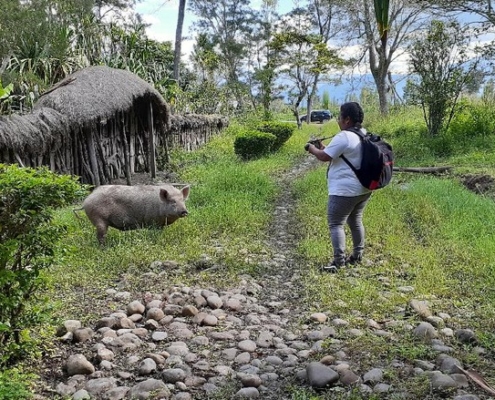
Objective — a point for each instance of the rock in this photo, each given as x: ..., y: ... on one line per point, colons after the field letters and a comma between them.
x: 319, y: 375
x: 465, y: 335
x: 81, y: 395
x: 449, y: 365
x: 83, y: 335
x: 249, y: 380
x: 143, y: 390
x: 375, y: 375
x: 155, y: 313
x: 318, y: 317
x: 421, y: 308
x: 77, y: 364
x: 68, y: 326
x: 173, y: 375
x: 135, y: 307
x: 146, y: 367
x: 425, y: 331
x: 247, y: 345
x: 441, y: 382
x: 96, y: 387
x: 349, y: 378
x: 247, y: 393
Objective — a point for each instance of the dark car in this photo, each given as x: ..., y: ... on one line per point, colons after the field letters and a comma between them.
x: 318, y: 116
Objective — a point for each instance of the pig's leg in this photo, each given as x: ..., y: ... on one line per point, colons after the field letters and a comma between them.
x: 101, y: 232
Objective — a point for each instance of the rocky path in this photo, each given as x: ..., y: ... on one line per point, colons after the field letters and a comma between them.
x: 256, y: 340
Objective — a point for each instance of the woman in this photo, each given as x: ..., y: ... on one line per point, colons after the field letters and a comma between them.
x: 347, y: 197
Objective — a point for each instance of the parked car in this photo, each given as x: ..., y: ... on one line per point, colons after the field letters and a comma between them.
x: 318, y: 116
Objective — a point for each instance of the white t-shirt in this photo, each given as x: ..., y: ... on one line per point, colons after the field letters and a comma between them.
x: 342, y: 180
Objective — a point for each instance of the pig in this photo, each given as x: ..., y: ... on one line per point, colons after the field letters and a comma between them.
x: 134, y: 207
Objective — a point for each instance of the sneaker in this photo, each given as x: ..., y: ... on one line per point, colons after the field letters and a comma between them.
x: 353, y: 260
x: 333, y: 267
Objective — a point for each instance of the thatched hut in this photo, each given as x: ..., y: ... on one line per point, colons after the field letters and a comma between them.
x: 98, y: 123
x: 101, y: 124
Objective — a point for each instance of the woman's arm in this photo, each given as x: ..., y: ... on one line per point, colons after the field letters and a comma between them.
x: 318, y: 153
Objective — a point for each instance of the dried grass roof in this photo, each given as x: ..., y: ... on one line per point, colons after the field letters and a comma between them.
x: 197, y: 121
x: 33, y: 133
x: 99, y: 92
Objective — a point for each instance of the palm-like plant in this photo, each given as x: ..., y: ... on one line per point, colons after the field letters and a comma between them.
x: 382, y: 19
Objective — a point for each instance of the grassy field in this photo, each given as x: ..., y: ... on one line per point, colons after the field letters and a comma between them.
x: 426, y: 232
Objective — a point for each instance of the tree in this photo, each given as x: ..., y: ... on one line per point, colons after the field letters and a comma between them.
x: 482, y: 8
x: 443, y: 68
x: 323, y: 14
x: 178, y: 40
x: 384, y: 41
x: 304, y: 57
x: 262, y: 59
x: 229, y: 25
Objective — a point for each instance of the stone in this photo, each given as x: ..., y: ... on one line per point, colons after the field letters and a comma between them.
x: 77, y: 364
x: 319, y: 375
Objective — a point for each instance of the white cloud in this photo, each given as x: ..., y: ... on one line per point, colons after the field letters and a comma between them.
x: 162, y: 16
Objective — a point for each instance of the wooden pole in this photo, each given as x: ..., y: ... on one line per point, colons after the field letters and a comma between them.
x: 127, y: 162
x: 92, y: 156
x: 152, y: 143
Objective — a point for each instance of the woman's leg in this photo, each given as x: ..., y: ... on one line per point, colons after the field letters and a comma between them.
x: 338, y: 210
x: 355, y: 222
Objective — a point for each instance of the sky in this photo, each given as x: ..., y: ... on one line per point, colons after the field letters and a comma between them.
x: 162, y: 17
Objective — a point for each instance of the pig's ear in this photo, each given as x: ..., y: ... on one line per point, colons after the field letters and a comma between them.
x: 164, y: 194
x: 185, y: 192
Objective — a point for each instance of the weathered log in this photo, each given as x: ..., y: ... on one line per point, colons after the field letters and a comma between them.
x: 423, y: 170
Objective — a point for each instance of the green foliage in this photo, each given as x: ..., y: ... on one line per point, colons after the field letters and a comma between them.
x: 443, y: 68
x: 252, y: 144
x: 27, y: 241
x: 472, y: 120
x: 281, y: 130
x: 13, y: 385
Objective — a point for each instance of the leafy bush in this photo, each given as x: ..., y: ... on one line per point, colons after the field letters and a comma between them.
x: 472, y: 120
x: 13, y: 385
x: 282, y: 131
x: 27, y: 240
x: 252, y: 144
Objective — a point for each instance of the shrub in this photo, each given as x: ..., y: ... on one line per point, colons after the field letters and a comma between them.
x: 281, y: 130
x: 13, y: 385
x: 472, y: 120
x: 252, y: 143
x: 27, y: 241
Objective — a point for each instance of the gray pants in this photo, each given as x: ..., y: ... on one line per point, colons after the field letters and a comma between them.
x: 348, y: 210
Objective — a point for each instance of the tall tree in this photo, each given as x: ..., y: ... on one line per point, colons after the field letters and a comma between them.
x: 442, y: 67
x: 385, y: 28
x: 302, y: 56
x: 324, y: 15
x: 229, y: 24
x: 178, y: 39
x: 261, y: 61
x: 483, y: 8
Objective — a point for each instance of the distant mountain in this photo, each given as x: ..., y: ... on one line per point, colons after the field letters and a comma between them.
x: 352, y: 88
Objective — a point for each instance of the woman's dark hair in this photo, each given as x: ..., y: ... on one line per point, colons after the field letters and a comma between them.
x: 354, y: 111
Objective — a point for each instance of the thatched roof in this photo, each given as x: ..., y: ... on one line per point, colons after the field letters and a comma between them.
x: 33, y: 133
x: 93, y: 94
x: 196, y: 121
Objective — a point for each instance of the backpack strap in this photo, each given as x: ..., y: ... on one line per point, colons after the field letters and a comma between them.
x: 361, y: 135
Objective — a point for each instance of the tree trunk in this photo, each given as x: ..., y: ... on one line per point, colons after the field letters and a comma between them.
x: 178, y: 39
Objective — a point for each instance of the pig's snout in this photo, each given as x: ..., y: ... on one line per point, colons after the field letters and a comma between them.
x: 183, y: 214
